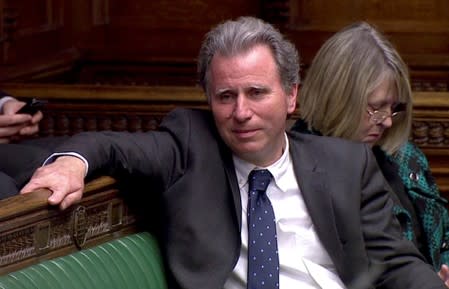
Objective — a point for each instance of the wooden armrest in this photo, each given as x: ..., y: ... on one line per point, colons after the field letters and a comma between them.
x: 32, y: 231
x: 30, y: 202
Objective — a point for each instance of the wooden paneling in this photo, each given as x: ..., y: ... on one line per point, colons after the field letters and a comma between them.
x: 112, y: 37
x: 156, y: 42
x: 165, y: 29
x: 32, y: 29
x: 418, y: 28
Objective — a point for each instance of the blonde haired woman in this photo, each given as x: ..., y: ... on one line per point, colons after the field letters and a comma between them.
x: 357, y: 88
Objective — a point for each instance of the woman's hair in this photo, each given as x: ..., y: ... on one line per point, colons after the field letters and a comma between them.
x: 343, y: 74
x: 234, y: 37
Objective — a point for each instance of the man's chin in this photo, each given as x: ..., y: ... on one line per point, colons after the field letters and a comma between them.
x: 246, y: 154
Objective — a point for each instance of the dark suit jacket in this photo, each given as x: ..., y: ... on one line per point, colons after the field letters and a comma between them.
x: 344, y: 191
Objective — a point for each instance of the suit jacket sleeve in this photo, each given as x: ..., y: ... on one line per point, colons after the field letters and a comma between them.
x: 200, y: 238
x: 161, y: 155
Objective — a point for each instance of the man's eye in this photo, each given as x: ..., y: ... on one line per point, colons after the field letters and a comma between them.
x: 225, y: 97
x: 257, y: 92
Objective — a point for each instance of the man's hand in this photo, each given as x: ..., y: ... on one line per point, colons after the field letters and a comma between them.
x: 13, y: 125
x: 64, y: 177
x: 444, y: 274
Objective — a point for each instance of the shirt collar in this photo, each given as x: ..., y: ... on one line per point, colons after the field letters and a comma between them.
x: 277, y: 169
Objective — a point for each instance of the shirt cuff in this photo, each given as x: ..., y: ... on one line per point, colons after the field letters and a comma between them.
x: 54, y: 156
x: 3, y: 100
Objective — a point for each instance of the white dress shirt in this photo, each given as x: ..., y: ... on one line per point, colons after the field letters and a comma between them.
x: 304, y: 263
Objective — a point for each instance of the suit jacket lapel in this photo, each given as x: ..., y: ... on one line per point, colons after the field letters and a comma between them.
x: 233, y: 183
x: 315, y: 189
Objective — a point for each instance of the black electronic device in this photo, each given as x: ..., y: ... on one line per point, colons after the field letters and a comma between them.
x: 32, y: 106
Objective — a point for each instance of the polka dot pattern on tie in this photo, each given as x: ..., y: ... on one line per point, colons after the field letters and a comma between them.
x: 263, y: 259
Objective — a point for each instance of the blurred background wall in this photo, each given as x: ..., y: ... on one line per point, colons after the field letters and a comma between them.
x: 141, y: 42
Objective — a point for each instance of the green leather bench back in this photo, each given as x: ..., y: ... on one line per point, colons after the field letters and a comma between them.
x: 130, y: 262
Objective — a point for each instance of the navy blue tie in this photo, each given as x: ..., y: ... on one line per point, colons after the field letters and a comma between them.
x: 263, y: 260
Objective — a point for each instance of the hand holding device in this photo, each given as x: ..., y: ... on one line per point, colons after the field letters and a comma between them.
x: 32, y: 106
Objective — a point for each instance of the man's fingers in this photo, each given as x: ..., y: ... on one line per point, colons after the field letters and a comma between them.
x: 64, y: 177
x: 37, y: 117
x: 10, y: 125
x: 11, y: 106
x: 15, y: 119
x: 9, y: 131
x: 32, y: 185
x: 70, y: 199
x: 29, y: 130
x: 56, y: 197
x: 28, y: 188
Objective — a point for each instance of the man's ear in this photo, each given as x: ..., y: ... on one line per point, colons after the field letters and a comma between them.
x: 292, y: 98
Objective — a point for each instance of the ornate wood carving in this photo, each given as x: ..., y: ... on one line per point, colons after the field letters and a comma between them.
x: 69, y: 123
x: 430, y: 85
x: 429, y: 133
x: 36, y: 229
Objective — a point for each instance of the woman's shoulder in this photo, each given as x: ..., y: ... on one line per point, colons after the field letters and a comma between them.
x: 414, y: 168
x: 410, y: 152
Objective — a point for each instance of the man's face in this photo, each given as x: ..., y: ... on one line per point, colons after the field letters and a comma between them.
x: 250, y: 105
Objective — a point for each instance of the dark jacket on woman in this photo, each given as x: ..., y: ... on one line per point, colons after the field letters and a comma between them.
x: 419, y: 207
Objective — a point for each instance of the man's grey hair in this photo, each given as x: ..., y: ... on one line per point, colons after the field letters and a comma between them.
x: 234, y: 37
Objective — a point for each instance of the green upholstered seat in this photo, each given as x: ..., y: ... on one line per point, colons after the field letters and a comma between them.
x: 130, y: 262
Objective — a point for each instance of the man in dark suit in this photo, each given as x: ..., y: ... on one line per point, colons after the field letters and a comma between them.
x: 332, y: 215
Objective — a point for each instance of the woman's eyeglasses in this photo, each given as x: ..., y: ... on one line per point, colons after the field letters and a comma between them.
x: 379, y: 116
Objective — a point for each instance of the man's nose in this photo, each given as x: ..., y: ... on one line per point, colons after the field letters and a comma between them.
x: 242, y: 109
